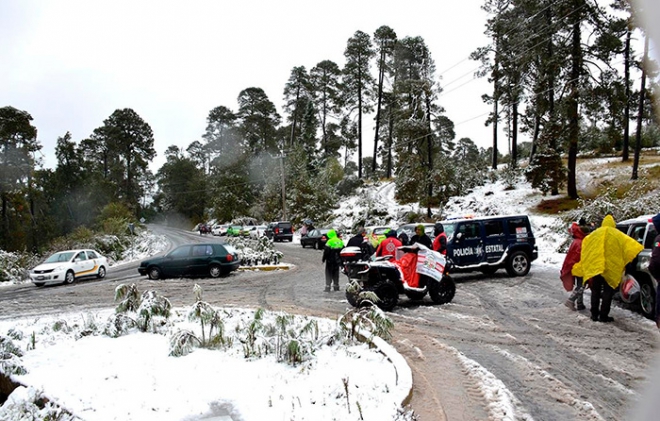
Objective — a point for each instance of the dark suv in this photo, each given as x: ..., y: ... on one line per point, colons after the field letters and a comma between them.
x: 642, y: 230
x: 489, y: 243
x: 279, y: 231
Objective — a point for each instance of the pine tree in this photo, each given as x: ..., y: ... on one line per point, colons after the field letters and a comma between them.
x: 358, y: 82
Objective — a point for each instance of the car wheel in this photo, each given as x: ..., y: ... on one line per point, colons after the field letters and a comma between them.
x: 215, y: 271
x: 154, y: 273
x: 388, y: 295
x: 39, y: 284
x: 518, y: 264
x: 647, y: 300
x: 69, y: 277
x: 101, y: 273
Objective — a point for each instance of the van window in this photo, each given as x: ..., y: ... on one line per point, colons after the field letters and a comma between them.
x: 470, y: 230
x: 650, y: 237
x: 493, y: 228
x: 518, y: 226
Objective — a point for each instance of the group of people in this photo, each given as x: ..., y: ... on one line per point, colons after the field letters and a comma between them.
x: 597, y: 259
x: 387, y: 247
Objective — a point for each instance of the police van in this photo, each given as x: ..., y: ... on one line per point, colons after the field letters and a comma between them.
x: 489, y: 243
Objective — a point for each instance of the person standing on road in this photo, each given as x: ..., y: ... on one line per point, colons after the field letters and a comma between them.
x: 440, y: 240
x: 421, y: 237
x: 603, y: 259
x: 573, y: 284
x: 332, y: 260
x: 654, y: 265
x: 388, y: 246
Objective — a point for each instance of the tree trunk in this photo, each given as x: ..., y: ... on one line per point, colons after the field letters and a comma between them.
x: 514, y: 134
x: 496, y: 118
x: 360, y: 127
x: 381, y: 77
x: 573, y: 117
x: 640, y: 113
x: 626, y: 111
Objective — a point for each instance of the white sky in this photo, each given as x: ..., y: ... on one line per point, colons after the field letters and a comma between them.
x: 70, y: 64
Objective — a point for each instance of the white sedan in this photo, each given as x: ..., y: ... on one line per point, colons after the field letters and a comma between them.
x: 257, y: 231
x: 67, y: 266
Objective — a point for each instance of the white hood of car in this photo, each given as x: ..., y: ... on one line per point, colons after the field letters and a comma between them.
x: 49, y: 266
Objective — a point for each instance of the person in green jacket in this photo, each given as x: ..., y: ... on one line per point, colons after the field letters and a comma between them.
x: 332, y: 260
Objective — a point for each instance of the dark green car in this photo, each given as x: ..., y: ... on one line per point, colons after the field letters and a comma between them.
x: 212, y: 260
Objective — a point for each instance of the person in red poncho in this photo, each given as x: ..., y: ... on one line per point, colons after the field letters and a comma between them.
x: 389, y: 245
x: 572, y: 283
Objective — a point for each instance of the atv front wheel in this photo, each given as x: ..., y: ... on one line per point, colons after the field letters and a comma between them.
x: 388, y: 295
x: 442, y: 292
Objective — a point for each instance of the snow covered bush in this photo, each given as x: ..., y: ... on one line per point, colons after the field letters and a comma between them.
x: 10, y: 361
x: 29, y: 404
x: 150, y: 311
x: 13, y: 266
x: 255, y: 252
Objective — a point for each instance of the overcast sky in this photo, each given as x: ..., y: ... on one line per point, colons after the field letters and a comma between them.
x: 70, y: 64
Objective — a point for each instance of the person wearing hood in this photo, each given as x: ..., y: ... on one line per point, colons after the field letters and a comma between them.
x: 421, y: 237
x: 603, y: 259
x: 332, y: 260
x: 440, y: 240
x: 388, y: 246
x: 654, y: 265
x: 572, y: 283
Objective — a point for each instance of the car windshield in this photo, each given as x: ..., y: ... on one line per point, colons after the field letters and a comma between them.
x: 64, y: 256
x: 380, y: 230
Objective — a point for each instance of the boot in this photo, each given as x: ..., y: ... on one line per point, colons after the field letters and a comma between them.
x: 336, y: 288
x: 569, y: 304
x: 327, y: 288
x: 606, y: 319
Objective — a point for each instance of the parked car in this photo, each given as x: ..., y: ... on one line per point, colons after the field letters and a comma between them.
x: 256, y: 231
x: 219, y: 230
x: 640, y: 286
x: 67, y: 266
x: 280, y: 231
x: 235, y: 231
x: 489, y: 243
x: 211, y: 260
x: 315, y: 239
x: 376, y: 234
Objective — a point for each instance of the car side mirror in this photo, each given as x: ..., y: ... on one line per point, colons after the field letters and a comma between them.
x: 459, y: 236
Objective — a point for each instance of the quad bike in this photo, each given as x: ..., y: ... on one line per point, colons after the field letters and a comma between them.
x: 415, y: 272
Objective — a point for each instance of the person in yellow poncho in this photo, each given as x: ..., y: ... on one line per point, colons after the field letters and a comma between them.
x: 605, y: 254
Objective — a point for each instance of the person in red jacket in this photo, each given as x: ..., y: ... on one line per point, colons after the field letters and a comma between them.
x: 573, y: 283
x: 440, y: 240
x: 388, y: 246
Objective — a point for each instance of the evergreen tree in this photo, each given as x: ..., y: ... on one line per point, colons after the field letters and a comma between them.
x: 385, y: 39
x: 126, y: 148
x: 258, y: 121
x: 18, y: 143
x: 358, y: 82
x: 326, y: 94
x: 297, y: 96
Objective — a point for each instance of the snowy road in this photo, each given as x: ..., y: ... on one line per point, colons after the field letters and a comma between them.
x: 504, y: 349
